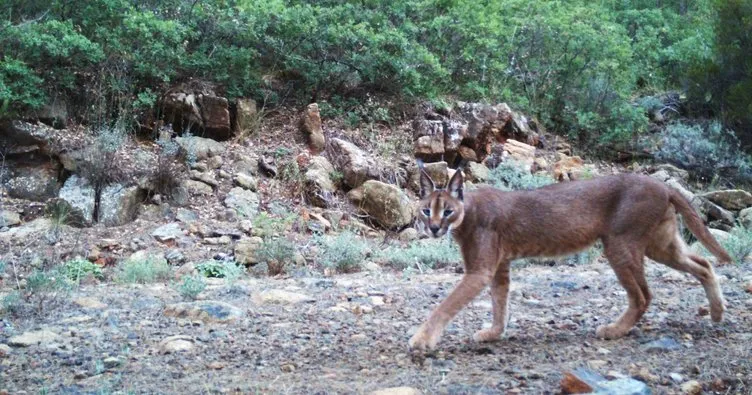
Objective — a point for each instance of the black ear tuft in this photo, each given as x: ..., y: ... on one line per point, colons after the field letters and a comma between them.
x: 456, y: 184
x: 427, y: 185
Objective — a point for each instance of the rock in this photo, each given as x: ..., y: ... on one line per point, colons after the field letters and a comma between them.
x: 692, y: 387
x: 34, y: 338
x: 205, y: 177
x: 662, y: 345
x: 385, y: 203
x: 5, y: 350
x: 89, y: 303
x: 732, y: 199
x: 266, y: 168
x: 409, y: 234
x: 185, y: 270
x: 397, y: 391
x: 199, y: 148
x: 310, y: 125
x: 243, y: 201
x: 673, y: 171
x: 571, y: 384
x: 568, y: 168
x: 586, y: 381
x: 520, y: 152
x: 26, y: 231
x: 216, y: 117
x: 245, y: 250
x: 175, y: 344
x: 186, y: 216
x: 745, y: 218
x: 118, y: 205
x: 174, y: 256
x: 596, y: 363
x: 748, y: 287
x: 676, y: 377
x: 9, y: 218
x: 438, y: 173
x: 168, y: 232
x: 718, y: 213
x: 198, y: 188
x: 80, y: 197
x: 661, y: 175
x: 245, y: 181
x: 323, y: 222
x: 246, y: 116
x: 467, y: 153
x: 454, y: 133
x: 112, y: 362
x: 719, y: 235
x: 208, y: 311
x: 278, y: 296
x: 319, y: 187
x: 476, y: 172
x: 428, y: 136
x: 356, y: 167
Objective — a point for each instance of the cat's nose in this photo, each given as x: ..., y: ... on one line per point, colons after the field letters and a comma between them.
x: 434, y: 229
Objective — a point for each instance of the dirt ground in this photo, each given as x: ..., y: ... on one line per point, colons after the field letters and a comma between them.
x: 348, y: 334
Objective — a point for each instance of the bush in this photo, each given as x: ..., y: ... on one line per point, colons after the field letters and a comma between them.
x: 276, y: 254
x: 79, y: 268
x: 191, y: 286
x: 510, y: 175
x: 428, y: 253
x: 706, y: 151
x: 144, y: 270
x: 220, y: 269
x: 168, y: 173
x: 738, y: 244
x: 343, y: 253
x: 45, y: 287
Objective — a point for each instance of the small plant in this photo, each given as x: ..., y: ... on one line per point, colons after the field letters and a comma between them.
x: 44, y: 287
x: 144, y: 270
x: 58, y: 212
x: 11, y: 302
x: 275, y: 254
x: 738, y: 244
x: 423, y: 253
x: 191, y: 286
x: 344, y: 253
x: 265, y: 225
x: 220, y: 269
x: 510, y: 175
x: 336, y: 176
x: 79, y: 268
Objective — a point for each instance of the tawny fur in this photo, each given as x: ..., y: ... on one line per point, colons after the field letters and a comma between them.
x: 632, y: 215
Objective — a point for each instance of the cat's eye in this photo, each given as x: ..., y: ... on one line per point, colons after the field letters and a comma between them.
x: 427, y: 212
x: 448, y: 212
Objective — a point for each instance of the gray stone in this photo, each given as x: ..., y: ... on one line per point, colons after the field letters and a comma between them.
x: 80, y: 197
x: 243, y: 201
x: 199, y: 148
x: 197, y: 188
x: 745, y: 218
x: 356, y: 167
x: 732, y: 199
x: 662, y: 345
x: 385, y: 203
x: 476, y: 172
x: 245, y: 181
x: 168, y: 232
x: 174, y: 344
x: 186, y: 216
x: 319, y: 187
x: 208, y: 311
x: 205, y: 177
x: 27, y: 230
x: 245, y: 250
x: 33, y: 338
x: 674, y: 171
x: 9, y: 218
x: 37, y: 183
x: 118, y: 205
x: 279, y: 296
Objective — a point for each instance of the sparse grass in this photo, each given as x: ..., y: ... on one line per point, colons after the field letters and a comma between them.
x: 229, y: 270
x: 143, y: 271
x: 79, y: 268
x: 58, y: 212
x: 45, y: 287
x: 11, y: 302
x: 265, y: 225
x: 510, y: 176
x: 191, y: 286
x: 427, y: 253
x: 275, y: 254
x: 343, y: 253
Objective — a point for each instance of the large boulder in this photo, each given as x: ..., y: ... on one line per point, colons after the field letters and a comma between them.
x: 246, y: 116
x: 80, y: 197
x: 310, y: 125
x: 33, y: 182
x: 196, y: 109
x: 429, y: 138
x: 319, y: 187
x: 732, y: 199
x: 389, y: 206
x: 477, y: 172
x: 745, y: 218
x: 215, y: 114
x: 119, y: 204
x: 356, y: 167
x: 243, y: 201
x: 9, y: 218
x: 199, y: 148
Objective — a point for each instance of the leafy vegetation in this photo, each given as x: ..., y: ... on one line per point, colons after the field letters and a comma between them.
x: 143, y: 270
x: 343, y: 253
x: 510, y: 175
x: 575, y: 65
x: 220, y: 269
x: 421, y: 254
x: 276, y: 254
x: 191, y: 286
x: 78, y: 269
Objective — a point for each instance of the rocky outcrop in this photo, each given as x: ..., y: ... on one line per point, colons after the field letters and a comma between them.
x: 33, y: 181
x: 118, y: 204
x: 356, y: 167
x: 199, y: 148
x: 319, y: 187
x: 386, y: 204
x: 80, y: 197
x: 568, y: 168
x: 243, y: 201
x: 732, y: 199
x: 198, y: 110
x: 310, y: 125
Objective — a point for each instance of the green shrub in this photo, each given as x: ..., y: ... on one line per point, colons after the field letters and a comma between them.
x: 428, y: 253
x: 703, y: 150
x: 79, y: 268
x: 144, y: 270
x: 266, y: 225
x: 220, y: 269
x: 511, y: 176
x: 343, y: 253
x: 11, y: 302
x: 276, y: 254
x: 738, y: 244
x: 191, y: 286
x: 45, y: 287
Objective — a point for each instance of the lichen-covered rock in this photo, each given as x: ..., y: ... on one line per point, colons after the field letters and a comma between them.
x: 385, y: 203
x: 80, y: 197
x: 310, y: 125
x: 319, y: 187
x: 243, y: 201
x: 356, y: 167
x: 476, y: 172
x: 731, y: 199
x: 118, y: 205
x: 37, y: 183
